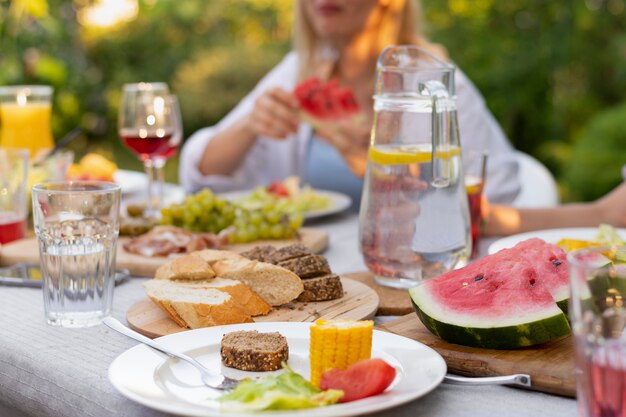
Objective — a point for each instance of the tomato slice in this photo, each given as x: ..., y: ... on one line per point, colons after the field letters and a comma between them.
x: 362, y: 379
x: 278, y: 188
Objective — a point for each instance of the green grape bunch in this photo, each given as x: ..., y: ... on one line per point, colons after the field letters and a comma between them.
x: 207, y: 212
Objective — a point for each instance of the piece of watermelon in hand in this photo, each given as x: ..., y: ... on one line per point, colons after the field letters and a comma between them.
x: 323, y: 102
x: 363, y: 379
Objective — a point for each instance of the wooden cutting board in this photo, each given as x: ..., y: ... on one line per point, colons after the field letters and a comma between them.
x: 550, y: 365
x: 27, y: 250
x: 393, y: 301
x: 359, y: 302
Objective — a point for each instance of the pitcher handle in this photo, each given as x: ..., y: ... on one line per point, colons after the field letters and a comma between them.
x: 442, y: 124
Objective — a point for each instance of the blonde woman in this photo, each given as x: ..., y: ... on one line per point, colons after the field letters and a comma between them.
x: 263, y: 139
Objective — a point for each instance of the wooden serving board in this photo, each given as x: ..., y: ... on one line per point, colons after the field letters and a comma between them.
x: 550, y: 365
x: 359, y: 302
x: 393, y: 301
x: 27, y: 250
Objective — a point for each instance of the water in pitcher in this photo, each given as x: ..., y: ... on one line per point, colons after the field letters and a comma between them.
x: 413, y: 225
x: 79, y: 271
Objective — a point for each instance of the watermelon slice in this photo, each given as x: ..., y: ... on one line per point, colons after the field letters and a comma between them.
x: 325, y: 101
x: 502, y: 301
x: 550, y: 262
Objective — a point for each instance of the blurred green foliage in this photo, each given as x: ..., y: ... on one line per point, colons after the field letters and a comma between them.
x: 548, y: 70
x: 545, y: 68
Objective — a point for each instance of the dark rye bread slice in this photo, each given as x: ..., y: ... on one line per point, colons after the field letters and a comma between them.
x: 309, y: 266
x: 323, y: 288
x: 254, y: 351
x: 260, y: 253
x: 296, y: 250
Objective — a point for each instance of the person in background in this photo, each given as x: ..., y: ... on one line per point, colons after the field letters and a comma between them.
x: 611, y: 209
x: 263, y: 139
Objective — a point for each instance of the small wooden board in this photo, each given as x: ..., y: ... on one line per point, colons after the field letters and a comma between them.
x: 550, y: 365
x: 393, y: 301
x: 27, y: 250
x: 359, y: 302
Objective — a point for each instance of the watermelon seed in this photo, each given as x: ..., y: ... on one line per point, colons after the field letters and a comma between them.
x: 478, y: 278
x: 532, y: 281
x: 556, y: 262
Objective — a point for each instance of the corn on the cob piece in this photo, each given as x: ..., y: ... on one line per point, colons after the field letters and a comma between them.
x: 338, y: 344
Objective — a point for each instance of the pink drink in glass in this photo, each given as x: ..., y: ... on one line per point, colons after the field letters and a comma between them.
x: 12, y: 227
x: 602, y: 382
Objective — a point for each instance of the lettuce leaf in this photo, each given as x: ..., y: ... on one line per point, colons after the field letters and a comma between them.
x: 287, y: 391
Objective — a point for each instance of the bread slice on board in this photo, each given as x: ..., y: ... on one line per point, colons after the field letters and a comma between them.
x: 196, y: 307
x: 248, y: 300
x: 191, y: 266
x: 323, y: 288
x: 274, y: 284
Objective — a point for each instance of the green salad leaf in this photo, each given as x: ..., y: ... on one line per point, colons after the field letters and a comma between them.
x: 287, y: 391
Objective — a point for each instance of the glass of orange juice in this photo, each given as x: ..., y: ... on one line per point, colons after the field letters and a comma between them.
x: 25, y: 112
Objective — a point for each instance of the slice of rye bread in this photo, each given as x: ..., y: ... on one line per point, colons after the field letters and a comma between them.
x: 309, y: 266
x: 191, y: 266
x: 260, y: 253
x: 195, y: 308
x: 249, y: 301
x: 296, y: 250
x: 254, y: 351
x: 323, y: 288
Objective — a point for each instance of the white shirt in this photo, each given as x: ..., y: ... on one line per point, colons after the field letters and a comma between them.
x: 271, y: 159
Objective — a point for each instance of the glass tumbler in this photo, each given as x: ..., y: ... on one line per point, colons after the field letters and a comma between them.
x: 77, y: 224
x: 598, y: 315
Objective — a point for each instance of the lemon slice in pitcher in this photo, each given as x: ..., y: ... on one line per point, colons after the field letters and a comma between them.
x: 407, y: 154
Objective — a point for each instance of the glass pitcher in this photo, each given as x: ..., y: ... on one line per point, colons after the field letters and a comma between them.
x: 414, y: 221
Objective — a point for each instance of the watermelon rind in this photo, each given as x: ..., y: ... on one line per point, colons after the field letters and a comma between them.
x: 542, y: 327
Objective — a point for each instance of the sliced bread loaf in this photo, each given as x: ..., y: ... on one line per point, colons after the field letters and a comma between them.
x: 196, y: 307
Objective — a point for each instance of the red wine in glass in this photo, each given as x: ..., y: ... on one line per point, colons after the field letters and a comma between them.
x: 149, y: 144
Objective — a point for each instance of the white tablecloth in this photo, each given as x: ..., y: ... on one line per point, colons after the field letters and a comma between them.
x: 51, y: 371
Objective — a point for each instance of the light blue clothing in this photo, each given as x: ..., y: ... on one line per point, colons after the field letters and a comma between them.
x: 326, y: 170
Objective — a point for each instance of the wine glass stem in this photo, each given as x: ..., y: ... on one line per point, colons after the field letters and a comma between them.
x: 159, y: 165
x: 149, y: 167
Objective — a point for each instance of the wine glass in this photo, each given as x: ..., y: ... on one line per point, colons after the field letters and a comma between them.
x: 147, y: 122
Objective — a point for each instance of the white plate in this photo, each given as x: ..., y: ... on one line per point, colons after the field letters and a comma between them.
x: 173, y: 386
x: 550, y: 236
x: 130, y: 181
x: 338, y: 202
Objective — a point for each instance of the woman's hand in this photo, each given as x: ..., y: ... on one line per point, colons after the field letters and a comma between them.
x: 351, y: 138
x: 275, y: 114
x: 612, y: 207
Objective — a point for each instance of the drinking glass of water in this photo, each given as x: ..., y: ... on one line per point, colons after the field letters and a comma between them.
x: 598, y: 316
x: 77, y: 224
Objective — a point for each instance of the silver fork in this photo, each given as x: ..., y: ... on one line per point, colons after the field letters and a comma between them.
x: 209, y: 379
